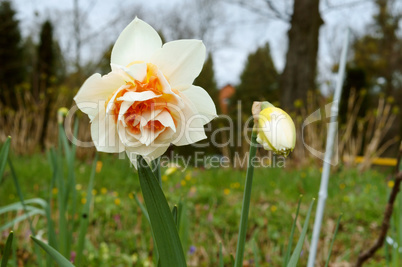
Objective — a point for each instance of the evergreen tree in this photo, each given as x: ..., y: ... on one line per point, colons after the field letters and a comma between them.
x: 206, y: 80
x: 259, y: 80
x: 12, y: 70
x: 378, y: 53
x: 45, y: 77
x: 45, y: 61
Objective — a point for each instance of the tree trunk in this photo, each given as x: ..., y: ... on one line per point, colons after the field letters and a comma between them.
x: 301, y: 60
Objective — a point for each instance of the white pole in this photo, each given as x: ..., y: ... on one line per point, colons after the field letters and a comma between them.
x: 322, y: 195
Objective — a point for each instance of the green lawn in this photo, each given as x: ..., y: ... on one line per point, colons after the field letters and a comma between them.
x: 120, y: 235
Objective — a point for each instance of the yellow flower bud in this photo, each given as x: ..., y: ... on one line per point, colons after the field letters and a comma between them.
x: 61, y: 113
x: 276, y: 130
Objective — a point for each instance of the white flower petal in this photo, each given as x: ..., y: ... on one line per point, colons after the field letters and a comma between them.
x: 95, y: 89
x: 104, y: 133
x: 201, y: 100
x: 166, y: 120
x: 138, y: 96
x: 138, y: 71
x: 137, y: 42
x: 190, y: 125
x: 132, y: 155
x: 134, y: 72
x: 180, y: 61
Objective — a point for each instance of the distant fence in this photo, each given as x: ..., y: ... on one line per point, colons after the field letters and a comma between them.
x: 375, y: 161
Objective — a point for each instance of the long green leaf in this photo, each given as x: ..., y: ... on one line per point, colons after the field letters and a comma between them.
x: 84, y: 219
x: 18, y: 205
x: 21, y: 197
x: 3, y: 156
x: 296, y: 253
x: 162, y: 223
x: 156, y: 169
x: 57, y: 257
x: 26, y: 215
x: 174, y: 214
x: 7, y: 249
x: 333, y: 239
x: 292, y: 232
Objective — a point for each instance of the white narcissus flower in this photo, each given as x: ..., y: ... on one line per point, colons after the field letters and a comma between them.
x: 276, y: 130
x: 148, y: 100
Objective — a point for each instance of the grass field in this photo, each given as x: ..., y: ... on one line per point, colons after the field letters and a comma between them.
x: 119, y: 234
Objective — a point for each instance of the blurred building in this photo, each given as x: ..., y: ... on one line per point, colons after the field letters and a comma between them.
x: 224, y: 97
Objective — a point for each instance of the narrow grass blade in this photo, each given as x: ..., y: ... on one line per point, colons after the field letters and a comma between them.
x: 3, y: 156
x: 292, y: 232
x: 60, y: 183
x: 221, y: 264
x: 333, y: 239
x: 256, y: 254
x: 84, y: 219
x: 180, y: 209
x: 64, y: 141
x: 57, y: 257
x: 14, y: 248
x: 143, y: 209
x: 162, y: 223
x: 7, y: 249
x: 296, y: 253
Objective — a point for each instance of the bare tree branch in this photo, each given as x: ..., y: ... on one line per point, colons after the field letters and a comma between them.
x: 365, y: 255
x: 278, y: 14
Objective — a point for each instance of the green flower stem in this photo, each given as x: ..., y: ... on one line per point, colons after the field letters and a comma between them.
x: 246, y: 202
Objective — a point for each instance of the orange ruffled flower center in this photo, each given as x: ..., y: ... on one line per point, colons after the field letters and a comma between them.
x: 132, y: 116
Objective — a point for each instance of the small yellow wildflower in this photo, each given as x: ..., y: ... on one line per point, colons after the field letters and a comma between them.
x: 342, y: 186
x: 134, y: 257
x: 99, y: 165
x: 130, y: 195
x: 188, y: 176
x: 83, y: 200
x: 226, y: 191
x: 94, y: 192
x: 170, y: 171
x: 103, y: 191
x: 273, y: 208
x: 164, y: 178
x: 183, y: 182
x: 117, y: 201
x: 55, y: 191
x: 391, y: 184
x: 78, y: 187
